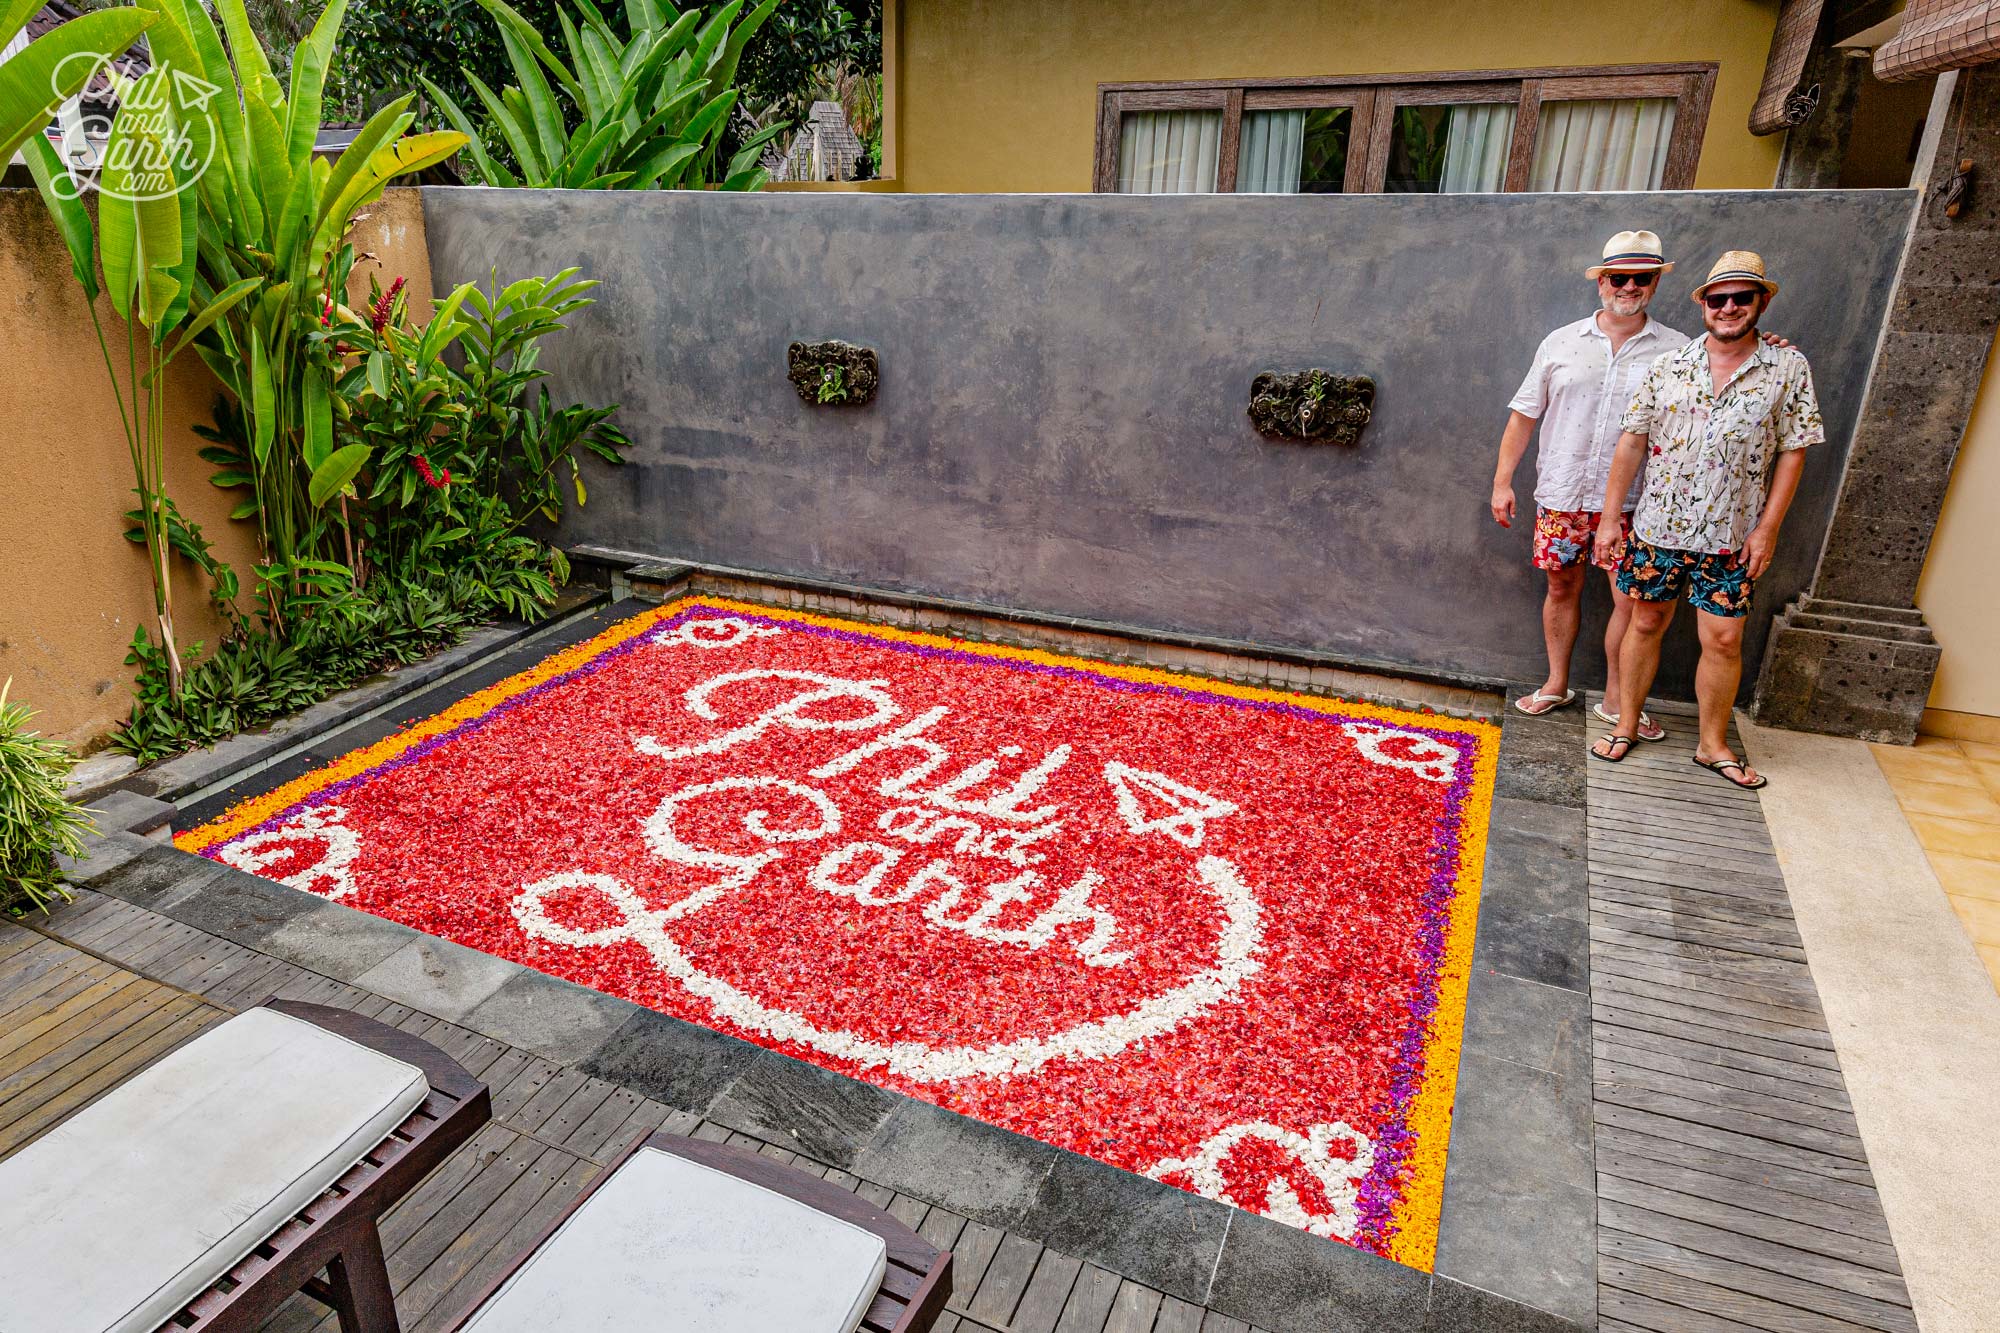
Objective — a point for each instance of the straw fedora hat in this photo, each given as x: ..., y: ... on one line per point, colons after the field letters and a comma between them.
x: 1630, y: 252
x: 1739, y: 266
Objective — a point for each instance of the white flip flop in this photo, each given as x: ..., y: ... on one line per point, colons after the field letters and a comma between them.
x: 1659, y: 732
x: 1553, y: 702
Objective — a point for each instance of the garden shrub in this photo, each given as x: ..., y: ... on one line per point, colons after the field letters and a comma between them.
x: 36, y: 823
x: 458, y: 456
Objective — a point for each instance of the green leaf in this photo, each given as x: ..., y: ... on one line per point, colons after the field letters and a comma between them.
x: 35, y: 80
x: 661, y: 162
x: 263, y: 398
x: 532, y: 38
x: 378, y: 374
x: 334, y: 474
x: 218, y: 305
x: 490, y: 172
x: 72, y: 219
x: 318, y: 406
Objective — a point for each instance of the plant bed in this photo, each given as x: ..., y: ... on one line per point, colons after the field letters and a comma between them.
x: 1215, y: 935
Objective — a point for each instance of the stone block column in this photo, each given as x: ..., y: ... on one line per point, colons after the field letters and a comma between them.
x: 1852, y: 656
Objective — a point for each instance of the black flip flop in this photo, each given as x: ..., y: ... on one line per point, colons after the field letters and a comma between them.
x: 1723, y: 766
x: 1615, y: 739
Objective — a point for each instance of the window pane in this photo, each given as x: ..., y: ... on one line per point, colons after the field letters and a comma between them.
x: 1168, y: 152
x: 1456, y: 149
x: 1603, y: 145
x: 1294, y: 151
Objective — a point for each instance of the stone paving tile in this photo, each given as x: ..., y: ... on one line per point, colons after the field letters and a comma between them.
x: 551, y: 1017
x: 438, y: 977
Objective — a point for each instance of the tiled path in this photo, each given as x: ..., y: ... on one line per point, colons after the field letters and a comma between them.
x: 102, y: 988
x: 1733, y: 1190
x: 1950, y: 793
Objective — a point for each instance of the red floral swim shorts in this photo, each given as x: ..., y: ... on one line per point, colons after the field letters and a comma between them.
x: 1563, y: 537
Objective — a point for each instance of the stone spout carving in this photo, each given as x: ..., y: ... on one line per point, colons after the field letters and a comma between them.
x: 833, y: 374
x: 1312, y: 405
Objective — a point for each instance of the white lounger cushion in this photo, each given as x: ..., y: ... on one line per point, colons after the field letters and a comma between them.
x: 117, y: 1218
x: 670, y: 1244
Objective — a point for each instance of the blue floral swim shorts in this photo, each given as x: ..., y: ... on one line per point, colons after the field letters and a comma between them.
x: 1713, y: 584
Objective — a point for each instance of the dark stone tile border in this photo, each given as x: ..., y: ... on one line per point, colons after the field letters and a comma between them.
x: 1493, y: 1271
x: 1518, y: 1237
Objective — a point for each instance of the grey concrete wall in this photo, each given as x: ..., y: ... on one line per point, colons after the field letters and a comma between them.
x: 1061, y: 424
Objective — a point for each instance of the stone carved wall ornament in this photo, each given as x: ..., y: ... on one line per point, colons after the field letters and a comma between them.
x: 1312, y: 405
x: 833, y: 373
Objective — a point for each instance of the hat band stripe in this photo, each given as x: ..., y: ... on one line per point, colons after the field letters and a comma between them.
x: 1735, y: 275
x: 1636, y: 254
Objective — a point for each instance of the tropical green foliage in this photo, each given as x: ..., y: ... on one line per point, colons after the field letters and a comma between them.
x: 36, y: 823
x: 646, y: 111
x: 34, y: 80
x: 814, y: 49
x: 143, y: 239
x: 273, y: 213
x: 445, y: 462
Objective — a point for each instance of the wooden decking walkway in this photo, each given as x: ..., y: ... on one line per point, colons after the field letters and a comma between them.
x: 1733, y: 1191
x: 103, y: 988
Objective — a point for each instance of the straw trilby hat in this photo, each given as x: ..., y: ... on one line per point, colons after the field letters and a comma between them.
x: 1631, y: 252
x: 1738, y: 266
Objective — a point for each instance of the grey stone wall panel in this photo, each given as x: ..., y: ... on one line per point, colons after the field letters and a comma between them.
x: 1061, y: 424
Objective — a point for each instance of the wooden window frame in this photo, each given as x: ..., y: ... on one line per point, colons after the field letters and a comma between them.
x: 1374, y: 96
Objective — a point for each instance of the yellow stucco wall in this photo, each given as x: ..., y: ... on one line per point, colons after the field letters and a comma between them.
x: 72, y: 589
x: 1959, y: 595
x: 1001, y: 95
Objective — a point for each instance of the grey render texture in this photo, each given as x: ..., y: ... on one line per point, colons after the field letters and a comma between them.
x: 1061, y: 426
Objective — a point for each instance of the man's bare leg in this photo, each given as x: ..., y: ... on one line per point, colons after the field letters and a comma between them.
x: 1715, y: 683
x: 1562, y: 620
x: 1638, y: 663
x: 1614, y: 642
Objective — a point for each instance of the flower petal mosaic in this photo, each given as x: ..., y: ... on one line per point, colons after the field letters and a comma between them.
x: 1214, y: 935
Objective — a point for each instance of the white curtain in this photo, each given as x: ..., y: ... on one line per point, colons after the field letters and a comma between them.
x: 1169, y: 152
x: 1476, y: 144
x: 1271, y: 152
x: 1603, y: 145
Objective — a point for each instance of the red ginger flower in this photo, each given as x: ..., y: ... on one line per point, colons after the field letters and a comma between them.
x: 379, y: 316
x: 435, y: 480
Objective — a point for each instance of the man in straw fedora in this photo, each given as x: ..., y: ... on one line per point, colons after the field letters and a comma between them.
x: 1721, y: 427
x: 1584, y: 374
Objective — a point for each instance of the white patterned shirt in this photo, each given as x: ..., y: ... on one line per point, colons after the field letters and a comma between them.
x: 1578, y: 390
x: 1709, y: 455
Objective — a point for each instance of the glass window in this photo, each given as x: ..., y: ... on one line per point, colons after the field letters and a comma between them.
x: 1457, y: 148
x: 1168, y: 152
x: 1616, y: 144
x: 1294, y: 151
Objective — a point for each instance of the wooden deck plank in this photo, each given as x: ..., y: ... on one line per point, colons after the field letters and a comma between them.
x: 1732, y: 1182
x: 1048, y: 1293
x: 1134, y: 1310
x: 1612, y: 1051
x: 1006, y: 1280
x: 1091, y: 1297
x: 1641, y: 1163
x: 1752, y: 1310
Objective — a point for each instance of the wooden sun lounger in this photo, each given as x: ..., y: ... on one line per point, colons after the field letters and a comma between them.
x: 916, y: 1280
x: 337, y: 1233
x: 110, y: 1210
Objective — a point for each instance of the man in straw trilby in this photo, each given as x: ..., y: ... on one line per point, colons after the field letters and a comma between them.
x: 1721, y: 427
x: 1583, y: 376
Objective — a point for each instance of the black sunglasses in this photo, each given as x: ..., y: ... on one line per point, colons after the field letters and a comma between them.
x: 1636, y: 279
x: 1717, y: 300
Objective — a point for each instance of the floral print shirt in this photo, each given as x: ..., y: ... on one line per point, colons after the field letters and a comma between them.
x: 1709, y: 455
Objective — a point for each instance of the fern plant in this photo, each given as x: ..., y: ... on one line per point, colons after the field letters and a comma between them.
x: 36, y: 823
x: 650, y: 109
